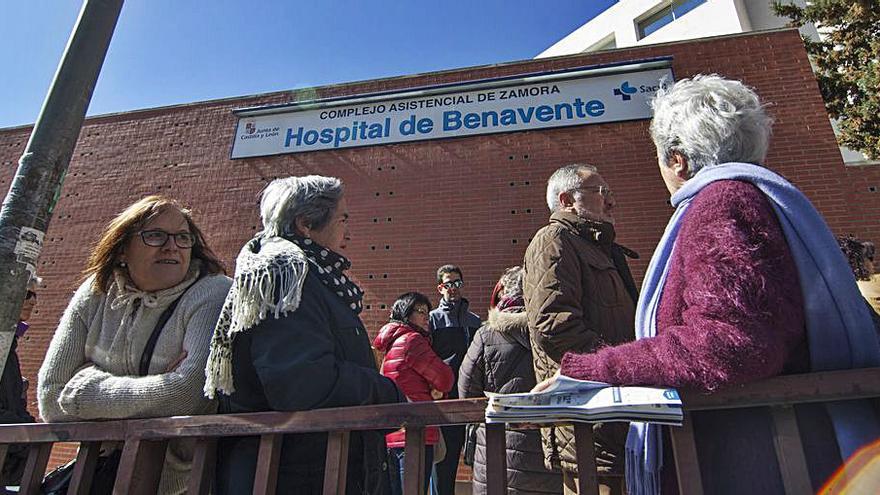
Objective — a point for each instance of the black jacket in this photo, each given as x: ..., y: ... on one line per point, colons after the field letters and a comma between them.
x: 13, y: 410
x: 500, y: 360
x: 452, y: 331
x: 316, y: 357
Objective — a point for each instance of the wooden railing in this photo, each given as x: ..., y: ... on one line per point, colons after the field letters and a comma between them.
x: 145, y: 440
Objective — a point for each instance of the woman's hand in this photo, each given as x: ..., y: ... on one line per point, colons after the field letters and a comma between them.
x: 546, y: 383
x: 436, y: 394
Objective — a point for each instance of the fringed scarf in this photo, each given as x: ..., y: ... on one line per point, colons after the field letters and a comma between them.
x: 329, y: 266
x: 269, y: 276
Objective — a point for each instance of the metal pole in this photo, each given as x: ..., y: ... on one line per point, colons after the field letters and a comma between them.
x: 28, y: 206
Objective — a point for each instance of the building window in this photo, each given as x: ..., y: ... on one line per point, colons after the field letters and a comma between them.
x: 672, y: 11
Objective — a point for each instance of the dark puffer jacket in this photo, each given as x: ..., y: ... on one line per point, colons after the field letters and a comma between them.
x: 415, y: 368
x: 316, y: 357
x: 500, y: 360
x: 578, y: 299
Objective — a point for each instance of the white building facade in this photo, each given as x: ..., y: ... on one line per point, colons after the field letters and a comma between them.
x: 644, y: 22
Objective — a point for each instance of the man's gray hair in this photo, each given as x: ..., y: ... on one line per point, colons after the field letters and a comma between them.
x: 313, y: 197
x: 567, y: 178
x: 710, y: 120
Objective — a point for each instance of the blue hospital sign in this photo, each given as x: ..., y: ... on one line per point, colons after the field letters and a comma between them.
x: 578, y: 97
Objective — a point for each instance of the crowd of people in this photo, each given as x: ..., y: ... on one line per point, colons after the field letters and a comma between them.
x: 746, y: 283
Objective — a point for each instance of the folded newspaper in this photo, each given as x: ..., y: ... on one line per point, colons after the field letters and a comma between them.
x: 579, y: 400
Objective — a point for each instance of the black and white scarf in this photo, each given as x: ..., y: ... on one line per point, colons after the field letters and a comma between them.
x: 269, y: 276
x: 330, y: 266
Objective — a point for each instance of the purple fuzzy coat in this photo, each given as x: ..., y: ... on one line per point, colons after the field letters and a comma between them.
x: 731, y: 312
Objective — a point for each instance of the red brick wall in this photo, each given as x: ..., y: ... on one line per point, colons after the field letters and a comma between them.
x: 474, y: 201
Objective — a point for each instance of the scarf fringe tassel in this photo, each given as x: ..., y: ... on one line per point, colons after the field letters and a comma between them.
x: 251, y: 299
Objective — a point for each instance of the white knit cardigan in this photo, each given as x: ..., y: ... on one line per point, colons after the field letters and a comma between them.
x: 91, y: 368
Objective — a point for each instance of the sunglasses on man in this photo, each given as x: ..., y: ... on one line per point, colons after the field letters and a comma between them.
x: 452, y: 284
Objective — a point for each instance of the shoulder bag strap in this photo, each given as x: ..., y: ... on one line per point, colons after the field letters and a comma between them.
x: 147, y: 356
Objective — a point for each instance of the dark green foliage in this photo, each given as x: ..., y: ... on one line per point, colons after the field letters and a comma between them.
x: 847, y: 65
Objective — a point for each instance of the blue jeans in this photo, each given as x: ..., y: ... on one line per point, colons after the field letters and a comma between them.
x: 395, y: 465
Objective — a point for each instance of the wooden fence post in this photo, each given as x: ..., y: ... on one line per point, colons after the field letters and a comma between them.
x: 336, y: 466
x: 414, y: 460
x: 496, y: 459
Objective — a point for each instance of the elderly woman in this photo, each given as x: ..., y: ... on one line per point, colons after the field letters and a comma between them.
x: 746, y: 283
x: 290, y: 339
x: 134, y: 338
x: 500, y: 360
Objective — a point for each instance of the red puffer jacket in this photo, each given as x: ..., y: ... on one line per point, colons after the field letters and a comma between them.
x: 415, y: 368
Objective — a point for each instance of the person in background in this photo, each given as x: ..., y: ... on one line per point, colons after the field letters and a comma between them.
x: 151, y: 280
x: 417, y: 371
x: 290, y: 338
x: 452, y: 330
x: 746, y: 283
x: 13, y: 391
x: 860, y: 255
x: 500, y: 360
x: 579, y: 296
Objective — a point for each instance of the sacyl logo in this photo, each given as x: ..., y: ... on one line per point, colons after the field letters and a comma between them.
x: 625, y: 91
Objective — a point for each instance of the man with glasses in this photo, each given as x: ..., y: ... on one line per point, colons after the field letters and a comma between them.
x: 452, y: 330
x: 579, y: 295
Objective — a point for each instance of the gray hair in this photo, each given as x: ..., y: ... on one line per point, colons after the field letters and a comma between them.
x: 710, y: 120
x: 512, y: 281
x: 313, y: 197
x: 565, y: 179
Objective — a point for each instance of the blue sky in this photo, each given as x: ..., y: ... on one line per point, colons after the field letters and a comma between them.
x: 166, y: 52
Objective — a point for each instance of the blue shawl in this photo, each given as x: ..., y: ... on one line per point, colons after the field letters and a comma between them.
x: 840, y: 332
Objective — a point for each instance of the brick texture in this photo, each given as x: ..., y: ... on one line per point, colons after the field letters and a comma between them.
x: 473, y: 201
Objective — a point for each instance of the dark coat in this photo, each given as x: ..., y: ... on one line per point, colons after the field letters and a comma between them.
x: 578, y: 299
x: 500, y: 360
x: 13, y: 410
x: 316, y: 357
x: 452, y: 329
x: 415, y: 368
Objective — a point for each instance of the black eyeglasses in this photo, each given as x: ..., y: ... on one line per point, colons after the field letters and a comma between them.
x: 422, y: 311
x: 30, y: 295
x: 158, y: 238
x: 453, y: 284
x: 605, y: 191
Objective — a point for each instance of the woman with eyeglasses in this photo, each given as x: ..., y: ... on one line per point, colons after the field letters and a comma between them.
x: 133, y: 341
x: 416, y: 369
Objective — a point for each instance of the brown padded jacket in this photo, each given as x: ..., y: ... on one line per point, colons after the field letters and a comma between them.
x: 577, y: 300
